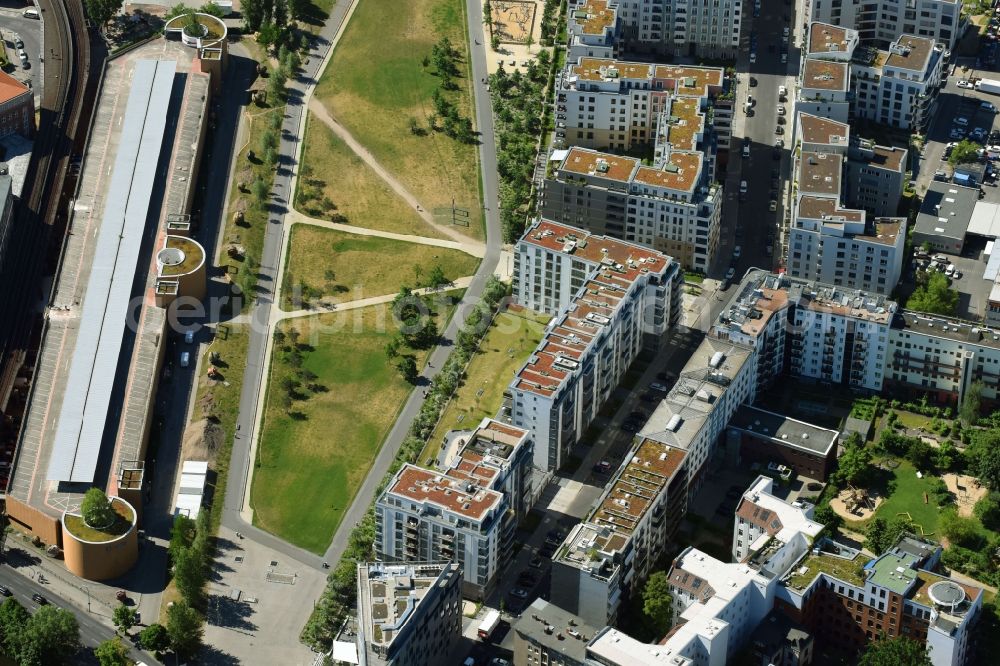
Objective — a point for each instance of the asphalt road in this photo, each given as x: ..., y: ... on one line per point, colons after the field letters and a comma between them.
x: 92, y: 632
x: 746, y: 223
x: 30, y: 31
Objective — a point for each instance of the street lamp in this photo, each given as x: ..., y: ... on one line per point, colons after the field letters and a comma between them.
x: 87, y: 590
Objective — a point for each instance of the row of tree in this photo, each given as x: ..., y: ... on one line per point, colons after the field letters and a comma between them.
x: 518, y: 108
x: 446, y: 117
x: 50, y: 636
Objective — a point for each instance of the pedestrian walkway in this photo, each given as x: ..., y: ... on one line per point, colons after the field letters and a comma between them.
x: 321, y: 112
x: 466, y: 245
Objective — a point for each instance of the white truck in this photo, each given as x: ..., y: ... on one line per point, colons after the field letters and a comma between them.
x: 489, y: 624
x: 991, y: 86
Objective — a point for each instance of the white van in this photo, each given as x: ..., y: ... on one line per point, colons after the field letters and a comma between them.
x: 31, y: 13
x: 185, y: 359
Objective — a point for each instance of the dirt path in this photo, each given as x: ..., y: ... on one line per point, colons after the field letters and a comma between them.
x: 323, y: 114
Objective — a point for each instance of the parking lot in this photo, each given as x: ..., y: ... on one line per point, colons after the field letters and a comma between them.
x: 15, y: 26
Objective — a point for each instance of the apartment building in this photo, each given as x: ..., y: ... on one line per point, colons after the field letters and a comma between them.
x: 841, y: 246
x: 831, y: 334
x: 673, y: 207
x: 466, y: 514
x: 824, y: 89
x: 547, y: 634
x: 611, y: 299
x: 615, y: 104
x: 605, y: 557
x: 761, y: 516
x: 837, y: 245
x: 831, y: 42
x: 898, y: 87
x: 593, y: 29
x: 848, y: 601
x: 875, y: 178
x: 883, y: 20
x: 942, y: 357
x: 408, y: 614
x: 704, y: 28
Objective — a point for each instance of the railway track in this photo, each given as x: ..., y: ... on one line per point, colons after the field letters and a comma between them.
x: 40, y: 219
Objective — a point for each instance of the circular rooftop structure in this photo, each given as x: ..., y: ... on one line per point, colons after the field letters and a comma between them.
x: 196, y: 29
x: 946, y: 593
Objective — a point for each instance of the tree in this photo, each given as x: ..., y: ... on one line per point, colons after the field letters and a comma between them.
x: 968, y: 412
x: 189, y: 574
x: 437, y: 278
x: 963, y: 152
x: 51, y: 636
x: 899, y: 651
x: 407, y: 367
x: 657, y: 602
x: 13, y: 618
x: 154, y: 637
x: 260, y: 190
x: 101, y: 11
x: 124, y: 618
x: 298, y: 9
x: 184, y: 629
x: 960, y: 531
x: 96, y: 508
x: 253, y: 12
x: 984, y: 458
x: 112, y: 652
x: 881, y: 534
x: 934, y: 297
x: 855, y: 462
x: 212, y: 9
x: 987, y: 510
x: 921, y: 455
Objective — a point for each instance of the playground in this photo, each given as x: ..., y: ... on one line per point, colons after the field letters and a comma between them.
x: 966, y: 490
x: 513, y: 20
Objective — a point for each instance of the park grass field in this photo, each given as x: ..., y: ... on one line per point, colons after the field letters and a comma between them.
x: 362, y: 266
x: 361, y: 197
x: 507, y: 345
x: 312, y: 459
x: 376, y: 82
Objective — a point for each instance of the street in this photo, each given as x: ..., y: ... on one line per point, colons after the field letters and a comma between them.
x: 747, y: 223
x: 30, y: 32
x: 92, y: 631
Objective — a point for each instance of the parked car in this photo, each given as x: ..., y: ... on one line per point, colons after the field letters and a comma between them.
x: 961, y: 120
x: 753, y: 55
x: 965, y: 84
x: 743, y: 187
x: 657, y: 386
x: 784, y: 58
x: 782, y: 91
x: 731, y: 273
x: 753, y: 82
x: 535, y: 563
x: 602, y: 467
x: 39, y: 599
x: 750, y: 101
x: 185, y: 359
x: 189, y: 337
x: 772, y: 205
x: 737, y: 251
x: 5, y: 591
x: 988, y: 106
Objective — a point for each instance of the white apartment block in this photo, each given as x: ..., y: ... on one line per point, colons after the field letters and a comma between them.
x: 593, y: 29
x: 614, y: 549
x: 898, y: 87
x: 615, y: 104
x: 839, y: 246
x: 706, y: 28
x: 833, y: 244
x: 611, y: 299
x: 824, y: 89
x: 760, y: 516
x: 875, y: 178
x: 884, y: 20
x: 833, y: 334
x: 466, y: 514
x: 673, y: 207
x: 408, y: 614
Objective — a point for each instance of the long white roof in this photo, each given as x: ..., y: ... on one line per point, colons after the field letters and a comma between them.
x: 84, y: 412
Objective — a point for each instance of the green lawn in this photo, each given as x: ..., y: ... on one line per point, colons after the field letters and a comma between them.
x: 361, y: 198
x: 911, y: 420
x: 376, y: 83
x: 362, y: 266
x: 505, y: 348
x: 311, y: 462
x: 908, y: 496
